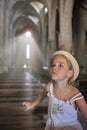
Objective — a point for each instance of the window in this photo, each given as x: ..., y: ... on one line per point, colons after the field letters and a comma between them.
x: 27, y: 51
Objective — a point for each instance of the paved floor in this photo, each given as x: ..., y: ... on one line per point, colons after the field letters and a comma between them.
x: 12, y: 115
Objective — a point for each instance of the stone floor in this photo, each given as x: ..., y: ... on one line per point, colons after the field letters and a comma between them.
x: 13, y: 91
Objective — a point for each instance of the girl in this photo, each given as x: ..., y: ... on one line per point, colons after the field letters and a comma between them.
x: 64, y: 98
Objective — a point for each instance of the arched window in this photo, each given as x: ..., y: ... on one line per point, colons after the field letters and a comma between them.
x: 27, y: 51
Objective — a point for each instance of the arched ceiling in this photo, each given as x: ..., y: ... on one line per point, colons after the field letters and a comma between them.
x: 26, y: 14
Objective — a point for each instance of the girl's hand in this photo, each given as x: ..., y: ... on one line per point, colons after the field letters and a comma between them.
x: 27, y: 106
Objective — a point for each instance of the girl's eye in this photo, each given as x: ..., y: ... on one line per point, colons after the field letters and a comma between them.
x: 60, y: 65
x: 52, y: 65
x: 57, y: 65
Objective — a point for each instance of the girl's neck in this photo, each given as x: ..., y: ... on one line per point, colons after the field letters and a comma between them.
x: 61, y: 84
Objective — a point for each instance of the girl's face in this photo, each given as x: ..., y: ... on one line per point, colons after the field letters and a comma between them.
x: 59, y: 68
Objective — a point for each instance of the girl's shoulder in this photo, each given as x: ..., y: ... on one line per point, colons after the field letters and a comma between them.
x: 74, y: 91
x: 47, y: 87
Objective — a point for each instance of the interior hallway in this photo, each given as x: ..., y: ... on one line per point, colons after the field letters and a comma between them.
x: 14, y: 89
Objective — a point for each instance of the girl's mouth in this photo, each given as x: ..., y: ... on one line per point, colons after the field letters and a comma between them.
x: 53, y: 73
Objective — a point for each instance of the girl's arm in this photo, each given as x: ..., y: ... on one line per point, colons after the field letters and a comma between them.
x: 82, y: 105
x: 39, y: 98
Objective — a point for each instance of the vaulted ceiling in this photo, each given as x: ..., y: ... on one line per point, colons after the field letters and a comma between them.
x: 27, y: 15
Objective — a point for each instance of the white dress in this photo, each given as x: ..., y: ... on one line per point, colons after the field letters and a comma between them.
x: 61, y: 114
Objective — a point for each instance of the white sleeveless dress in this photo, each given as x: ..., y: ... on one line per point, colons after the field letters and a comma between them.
x: 61, y: 114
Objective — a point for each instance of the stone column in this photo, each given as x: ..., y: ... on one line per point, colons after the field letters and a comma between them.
x: 3, y: 67
x: 52, y: 6
x: 65, y: 24
x: 82, y: 36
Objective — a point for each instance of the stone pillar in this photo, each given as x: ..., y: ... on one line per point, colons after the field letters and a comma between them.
x: 8, y: 34
x: 3, y: 67
x: 44, y: 23
x: 82, y: 36
x: 52, y: 6
x: 65, y: 23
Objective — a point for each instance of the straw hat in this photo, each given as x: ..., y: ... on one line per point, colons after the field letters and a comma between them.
x: 72, y: 60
